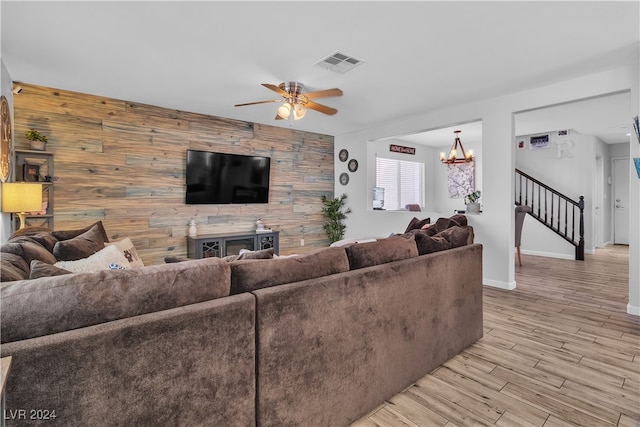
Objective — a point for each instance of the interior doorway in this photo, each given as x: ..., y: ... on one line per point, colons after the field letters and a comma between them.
x: 620, y: 201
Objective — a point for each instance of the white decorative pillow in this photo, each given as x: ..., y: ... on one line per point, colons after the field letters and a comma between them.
x: 96, y: 262
x: 129, y: 251
x: 345, y: 242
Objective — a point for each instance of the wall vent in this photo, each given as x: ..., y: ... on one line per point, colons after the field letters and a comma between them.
x: 339, y: 62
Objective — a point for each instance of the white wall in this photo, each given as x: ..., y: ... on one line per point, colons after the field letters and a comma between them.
x: 494, y: 228
x: 6, y: 89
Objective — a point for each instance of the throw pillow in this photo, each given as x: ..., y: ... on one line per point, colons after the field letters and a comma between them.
x: 427, y: 244
x: 175, y: 258
x: 28, y: 249
x: 81, y: 246
x: 416, y: 224
x: 129, y: 251
x: 42, y: 269
x: 96, y: 262
x: 12, y: 267
x: 457, y: 236
x: 70, y: 234
x: 261, y: 254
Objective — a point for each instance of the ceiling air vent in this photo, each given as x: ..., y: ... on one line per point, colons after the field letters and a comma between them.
x: 339, y: 62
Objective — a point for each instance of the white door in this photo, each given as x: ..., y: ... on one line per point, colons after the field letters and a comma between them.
x: 621, y: 201
x: 598, y: 216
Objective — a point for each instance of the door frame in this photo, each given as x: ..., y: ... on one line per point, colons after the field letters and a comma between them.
x: 613, y: 195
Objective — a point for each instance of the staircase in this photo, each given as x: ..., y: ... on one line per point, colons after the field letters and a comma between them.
x: 553, y: 209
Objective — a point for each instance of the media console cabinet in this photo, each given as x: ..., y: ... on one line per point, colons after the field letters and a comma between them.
x: 221, y: 245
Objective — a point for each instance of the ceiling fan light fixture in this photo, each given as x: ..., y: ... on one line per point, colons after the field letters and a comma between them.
x: 285, y: 110
x: 299, y: 111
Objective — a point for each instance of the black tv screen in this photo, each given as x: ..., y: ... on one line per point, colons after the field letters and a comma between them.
x: 220, y: 178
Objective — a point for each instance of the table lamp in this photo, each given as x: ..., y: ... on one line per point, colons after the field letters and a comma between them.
x: 20, y: 198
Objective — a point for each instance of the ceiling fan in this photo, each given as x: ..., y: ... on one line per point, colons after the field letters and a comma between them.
x: 296, y: 101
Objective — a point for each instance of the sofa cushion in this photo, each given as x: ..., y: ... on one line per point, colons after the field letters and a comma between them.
x: 81, y: 246
x: 427, y: 244
x: 13, y: 267
x: 28, y: 249
x: 249, y: 275
x: 382, y: 251
x: 32, y: 308
x: 40, y: 269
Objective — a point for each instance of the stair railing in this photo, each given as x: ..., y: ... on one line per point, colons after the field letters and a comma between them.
x: 556, y: 211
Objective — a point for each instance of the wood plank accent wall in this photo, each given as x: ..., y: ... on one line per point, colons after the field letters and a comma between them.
x: 124, y: 163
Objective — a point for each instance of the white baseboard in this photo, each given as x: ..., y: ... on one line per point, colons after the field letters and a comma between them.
x: 549, y: 254
x: 501, y: 285
x: 634, y: 310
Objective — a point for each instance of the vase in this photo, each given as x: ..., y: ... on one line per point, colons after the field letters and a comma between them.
x: 38, y: 145
x: 193, y: 231
x: 473, y: 208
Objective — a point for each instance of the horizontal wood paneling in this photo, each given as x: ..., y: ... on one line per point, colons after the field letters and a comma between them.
x: 124, y: 163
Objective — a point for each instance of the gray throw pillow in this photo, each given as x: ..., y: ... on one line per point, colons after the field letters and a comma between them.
x: 41, y: 269
x: 82, y: 246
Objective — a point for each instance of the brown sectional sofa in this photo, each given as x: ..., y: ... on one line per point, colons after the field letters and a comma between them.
x: 264, y: 342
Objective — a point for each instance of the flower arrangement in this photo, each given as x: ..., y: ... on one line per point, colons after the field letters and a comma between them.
x: 472, y: 197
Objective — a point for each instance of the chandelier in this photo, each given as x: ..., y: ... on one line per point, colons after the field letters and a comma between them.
x: 453, y: 158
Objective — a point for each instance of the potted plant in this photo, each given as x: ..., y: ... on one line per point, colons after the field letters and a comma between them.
x: 334, y: 214
x: 471, y: 200
x: 38, y: 141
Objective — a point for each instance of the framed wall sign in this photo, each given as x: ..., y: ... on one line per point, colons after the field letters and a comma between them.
x: 540, y: 141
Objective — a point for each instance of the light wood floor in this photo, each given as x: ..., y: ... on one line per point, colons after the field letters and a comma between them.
x: 559, y: 350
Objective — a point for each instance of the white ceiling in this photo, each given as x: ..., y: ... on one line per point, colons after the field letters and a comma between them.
x: 419, y: 55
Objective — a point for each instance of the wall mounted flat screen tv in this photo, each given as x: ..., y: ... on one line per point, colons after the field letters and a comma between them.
x: 221, y: 178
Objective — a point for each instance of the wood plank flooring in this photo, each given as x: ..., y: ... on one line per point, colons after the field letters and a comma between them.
x: 559, y: 350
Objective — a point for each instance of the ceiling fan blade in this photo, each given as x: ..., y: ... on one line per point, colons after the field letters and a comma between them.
x: 321, y: 108
x: 276, y: 89
x: 258, y: 102
x: 323, y: 93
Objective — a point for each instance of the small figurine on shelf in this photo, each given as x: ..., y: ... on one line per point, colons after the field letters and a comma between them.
x: 259, y: 224
x: 38, y: 141
x: 193, y: 231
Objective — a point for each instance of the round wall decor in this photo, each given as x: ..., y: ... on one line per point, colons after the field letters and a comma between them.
x: 343, y: 155
x: 353, y: 165
x: 344, y: 178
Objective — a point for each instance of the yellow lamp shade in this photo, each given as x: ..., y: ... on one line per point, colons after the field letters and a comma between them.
x: 20, y: 197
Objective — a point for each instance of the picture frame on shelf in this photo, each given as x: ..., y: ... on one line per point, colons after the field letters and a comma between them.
x: 31, y: 173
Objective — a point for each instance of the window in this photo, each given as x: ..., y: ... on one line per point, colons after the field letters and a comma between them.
x: 403, y: 182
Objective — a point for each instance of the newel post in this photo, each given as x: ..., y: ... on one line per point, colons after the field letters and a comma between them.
x: 580, y: 247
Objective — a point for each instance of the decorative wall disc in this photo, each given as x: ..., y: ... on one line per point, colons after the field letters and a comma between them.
x: 353, y: 165
x: 343, y: 155
x: 344, y: 178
